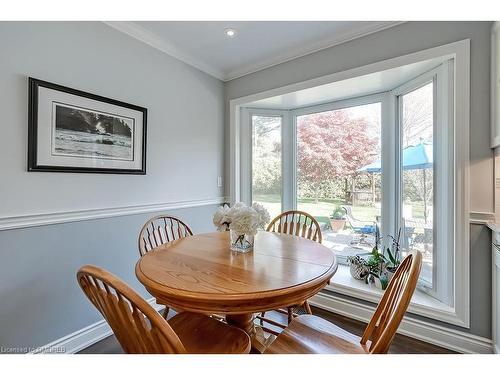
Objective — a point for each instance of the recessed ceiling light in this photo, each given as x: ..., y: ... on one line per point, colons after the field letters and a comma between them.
x: 231, y: 33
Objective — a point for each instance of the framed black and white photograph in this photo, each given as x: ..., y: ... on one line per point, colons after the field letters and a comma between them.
x: 75, y: 131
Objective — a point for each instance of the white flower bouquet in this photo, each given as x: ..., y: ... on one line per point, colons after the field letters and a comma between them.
x: 242, y: 222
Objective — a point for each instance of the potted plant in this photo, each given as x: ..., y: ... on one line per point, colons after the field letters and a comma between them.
x: 376, y: 263
x: 369, y: 269
x: 381, y: 281
x: 337, y: 219
x: 378, y: 267
x: 357, y: 267
x: 393, y: 258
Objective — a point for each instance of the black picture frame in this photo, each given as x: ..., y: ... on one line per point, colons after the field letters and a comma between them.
x: 33, y: 127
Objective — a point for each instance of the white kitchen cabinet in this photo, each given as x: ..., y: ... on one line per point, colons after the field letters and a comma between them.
x: 495, y: 84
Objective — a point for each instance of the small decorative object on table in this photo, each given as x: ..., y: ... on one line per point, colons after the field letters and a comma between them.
x: 242, y: 222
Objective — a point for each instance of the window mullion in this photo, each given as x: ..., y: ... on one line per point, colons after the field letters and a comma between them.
x: 246, y: 157
x: 287, y: 163
x: 390, y: 173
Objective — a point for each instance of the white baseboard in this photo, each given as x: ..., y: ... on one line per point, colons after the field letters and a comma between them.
x: 452, y: 339
x: 25, y: 221
x: 83, y: 338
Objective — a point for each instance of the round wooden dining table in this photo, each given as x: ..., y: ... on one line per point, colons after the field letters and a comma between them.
x: 201, y: 274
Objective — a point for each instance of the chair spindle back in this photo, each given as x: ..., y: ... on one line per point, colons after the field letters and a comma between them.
x: 160, y: 230
x: 137, y: 326
x: 297, y: 223
x: 390, y: 311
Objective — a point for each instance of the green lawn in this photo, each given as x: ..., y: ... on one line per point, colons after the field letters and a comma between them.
x: 322, y: 210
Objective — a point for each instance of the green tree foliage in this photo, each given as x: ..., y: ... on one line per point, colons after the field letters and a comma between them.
x: 266, y: 155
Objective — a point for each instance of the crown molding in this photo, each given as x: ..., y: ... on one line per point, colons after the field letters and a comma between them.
x: 152, y: 39
x: 301, y: 51
x: 140, y: 33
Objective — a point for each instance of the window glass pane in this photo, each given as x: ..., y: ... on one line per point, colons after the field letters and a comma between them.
x: 266, y: 162
x: 417, y: 175
x: 339, y: 175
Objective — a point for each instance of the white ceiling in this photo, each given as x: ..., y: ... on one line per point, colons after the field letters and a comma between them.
x: 349, y: 88
x: 257, y: 45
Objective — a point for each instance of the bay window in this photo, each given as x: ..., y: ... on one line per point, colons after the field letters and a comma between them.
x: 387, y: 162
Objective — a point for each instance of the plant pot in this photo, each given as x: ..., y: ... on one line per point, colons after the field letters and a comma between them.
x: 381, y: 282
x: 358, y: 271
x: 337, y: 224
x: 390, y: 273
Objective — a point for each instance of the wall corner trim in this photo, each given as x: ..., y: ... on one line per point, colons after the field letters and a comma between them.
x: 26, y: 221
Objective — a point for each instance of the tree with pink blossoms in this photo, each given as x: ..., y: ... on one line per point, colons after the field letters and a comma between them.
x: 332, y: 146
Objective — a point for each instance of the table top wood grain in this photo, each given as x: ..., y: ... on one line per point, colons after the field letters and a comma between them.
x: 200, y: 273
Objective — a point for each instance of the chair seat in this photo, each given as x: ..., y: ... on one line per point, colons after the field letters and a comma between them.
x: 201, y: 334
x: 308, y: 334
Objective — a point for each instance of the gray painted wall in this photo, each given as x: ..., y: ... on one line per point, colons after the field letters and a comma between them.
x: 185, y: 117
x: 40, y: 299
x: 401, y: 40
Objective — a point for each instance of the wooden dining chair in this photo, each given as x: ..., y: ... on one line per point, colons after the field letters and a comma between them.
x: 160, y: 230
x: 297, y: 223
x: 141, y: 330
x: 312, y: 334
x: 301, y: 224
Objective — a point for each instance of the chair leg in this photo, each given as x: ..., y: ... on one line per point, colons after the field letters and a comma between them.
x: 165, y: 312
x: 307, y: 307
x: 260, y: 316
x: 290, y: 314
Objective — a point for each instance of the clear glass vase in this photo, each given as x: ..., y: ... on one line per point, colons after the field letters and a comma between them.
x: 242, y: 243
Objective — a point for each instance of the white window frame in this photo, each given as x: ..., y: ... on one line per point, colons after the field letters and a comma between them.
x: 246, y: 152
x: 459, y: 51
x: 443, y: 212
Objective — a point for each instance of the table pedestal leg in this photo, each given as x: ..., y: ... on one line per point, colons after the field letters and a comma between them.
x: 245, y: 321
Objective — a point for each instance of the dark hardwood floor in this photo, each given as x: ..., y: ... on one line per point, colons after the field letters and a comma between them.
x: 401, y: 344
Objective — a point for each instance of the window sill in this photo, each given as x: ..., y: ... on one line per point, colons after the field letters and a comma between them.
x: 421, y: 303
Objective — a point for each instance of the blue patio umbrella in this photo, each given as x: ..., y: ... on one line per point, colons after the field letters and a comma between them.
x: 414, y: 157
x: 417, y: 156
